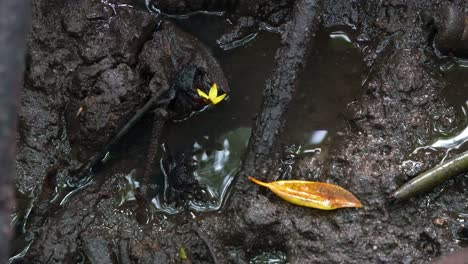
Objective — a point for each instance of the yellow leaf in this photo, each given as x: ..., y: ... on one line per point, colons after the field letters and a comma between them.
x: 318, y: 195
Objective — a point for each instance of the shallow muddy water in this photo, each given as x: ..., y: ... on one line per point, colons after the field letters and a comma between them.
x: 456, y: 93
x: 219, y: 135
x: 331, y: 80
x: 457, y: 90
x: 217, y: 138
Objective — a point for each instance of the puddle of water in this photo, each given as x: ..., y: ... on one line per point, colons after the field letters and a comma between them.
x: 217, y: 168
x: 128, y: 190
x: 220, y: 135
x: 454, y: 142
x: 224, y: 161
x: 153, y: 7
x: 455, y: 92
x: 210, y: 28
x: 20, y: 219
x: 331, y: 80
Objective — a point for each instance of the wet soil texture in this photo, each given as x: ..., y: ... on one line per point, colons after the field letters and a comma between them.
x: 92, y: 64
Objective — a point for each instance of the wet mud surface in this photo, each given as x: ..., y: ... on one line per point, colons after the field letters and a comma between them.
x: 373, y: 81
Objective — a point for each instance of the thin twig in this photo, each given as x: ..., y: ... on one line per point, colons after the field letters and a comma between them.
x: 97, y: 158
x: 205, y: 240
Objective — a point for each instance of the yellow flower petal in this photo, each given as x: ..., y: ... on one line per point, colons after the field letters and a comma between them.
x: 203, y: 94
x: 213, y: 91
x: 218, y: 99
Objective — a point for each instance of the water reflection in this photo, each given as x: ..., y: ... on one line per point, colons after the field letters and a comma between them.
x: 217, y: 170
x: 331, y: 80
x: 128, y: 190
x: 452, y: 142
x: 238, y: 43
x: 317, y: 137
x: 20, y: 256
x: 277, y: 257
x: 457, y: 140
x: 340, y: 35
x: 153, y: 7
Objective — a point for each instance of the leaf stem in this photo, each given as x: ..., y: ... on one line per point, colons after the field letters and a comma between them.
x: 252, y: 179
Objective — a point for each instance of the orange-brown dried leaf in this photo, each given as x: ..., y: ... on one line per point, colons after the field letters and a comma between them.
x: 318, y: 195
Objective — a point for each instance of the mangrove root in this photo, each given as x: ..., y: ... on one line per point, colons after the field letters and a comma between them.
x: 280, y: 88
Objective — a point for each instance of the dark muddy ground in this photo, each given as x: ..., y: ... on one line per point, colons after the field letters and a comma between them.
x: 375, y: 88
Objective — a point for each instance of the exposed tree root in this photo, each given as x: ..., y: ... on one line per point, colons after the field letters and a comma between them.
x: 280, y: 88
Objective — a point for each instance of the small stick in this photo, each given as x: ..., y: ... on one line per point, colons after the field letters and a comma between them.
x: 203, y: 237
x: 96, y: 159
x: 432, y: 178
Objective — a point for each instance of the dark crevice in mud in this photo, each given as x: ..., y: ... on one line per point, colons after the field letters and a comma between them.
x: 375, y: 117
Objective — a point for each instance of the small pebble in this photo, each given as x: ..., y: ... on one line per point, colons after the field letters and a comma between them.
x: 439, y: 222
